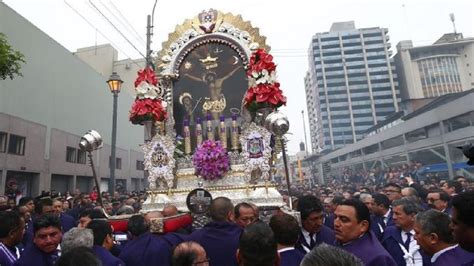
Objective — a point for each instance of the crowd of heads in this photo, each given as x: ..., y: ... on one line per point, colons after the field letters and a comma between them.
x: 439, y: 212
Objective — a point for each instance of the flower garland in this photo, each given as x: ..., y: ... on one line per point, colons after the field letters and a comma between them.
x: 148, y: 104
x: 210, y: 160
x: 264, y: 90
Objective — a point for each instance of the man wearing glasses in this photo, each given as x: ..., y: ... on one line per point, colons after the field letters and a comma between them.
x: 393, y: 191
x: 439, y: 200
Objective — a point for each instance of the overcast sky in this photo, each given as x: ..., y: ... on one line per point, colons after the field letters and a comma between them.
x: 288, y: 26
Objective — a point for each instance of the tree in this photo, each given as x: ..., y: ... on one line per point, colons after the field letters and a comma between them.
x: 10, y: 60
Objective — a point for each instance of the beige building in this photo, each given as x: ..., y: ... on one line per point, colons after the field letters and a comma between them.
x: 426, y: 72
x: 44, y: 113
x: 104, y: 59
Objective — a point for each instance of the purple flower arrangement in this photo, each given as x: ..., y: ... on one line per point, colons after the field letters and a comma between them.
x: 210, y: 160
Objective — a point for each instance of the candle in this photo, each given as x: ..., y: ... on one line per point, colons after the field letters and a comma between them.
x: 187, y: 137
x: 198, y: 131
x: 209, y: 128
x: 223, y: 132
x: 234, y: 133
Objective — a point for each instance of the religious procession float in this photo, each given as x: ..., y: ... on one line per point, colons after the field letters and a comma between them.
x: 209, y: 112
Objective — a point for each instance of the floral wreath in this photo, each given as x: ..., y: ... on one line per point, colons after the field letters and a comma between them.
x: 264, y: 90
x: 148, y: 104
x: 210, y: 160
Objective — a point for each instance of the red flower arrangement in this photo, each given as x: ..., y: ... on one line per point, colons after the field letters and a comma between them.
x: 147, y: 75
x: 147, y: 109
x: 147, y: 105
x: 263, y: 90
x: 259, y: 61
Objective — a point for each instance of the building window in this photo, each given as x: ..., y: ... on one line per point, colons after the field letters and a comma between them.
x: 416, y: 135
x: 70, y: 154
x: 81, y: 157
x: 3, y: 141
x: 16, y: 145
x: 393, y: 142
x: 140, y: 165
x: 371, y: 149
x: 118, y: 162
x: 459, y: 122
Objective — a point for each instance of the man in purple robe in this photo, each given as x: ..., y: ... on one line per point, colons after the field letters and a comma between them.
x: 286, y: 230
x: 382, y: 215
x: 220, y: 237
x: 12, y: 228
x: 46, y: 238
x: 462, y: 222
x: 434, y: 236
x: 26, y: 207
x: 352, y: 228
x: 244, y: 214
x: 439, y: 200
x: 313, y: 232
x: 399, y: 240
x: 150, y: 248
x: 103, y: 243
x: 257, y: 246
x: 67, y: 222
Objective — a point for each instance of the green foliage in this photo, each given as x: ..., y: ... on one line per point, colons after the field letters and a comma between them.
x: 10, y: 60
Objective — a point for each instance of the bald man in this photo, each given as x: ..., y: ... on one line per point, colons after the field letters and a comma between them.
x: 169, y: 210
x: 220, y: 237
x: 188, y: 254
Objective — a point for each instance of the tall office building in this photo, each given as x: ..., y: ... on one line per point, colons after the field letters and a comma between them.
x: 355, y: 82
x: 315, y: 131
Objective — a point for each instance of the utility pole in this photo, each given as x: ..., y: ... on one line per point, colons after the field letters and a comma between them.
x: 304, y: 130
x: 149, y: 33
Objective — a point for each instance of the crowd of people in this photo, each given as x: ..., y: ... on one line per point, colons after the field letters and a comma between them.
x: 394, y: 220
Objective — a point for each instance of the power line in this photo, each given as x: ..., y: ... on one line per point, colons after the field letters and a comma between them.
x: 121, y: 23
x: 131, y: 29
x: 115, y: 27
x: 97, y: 30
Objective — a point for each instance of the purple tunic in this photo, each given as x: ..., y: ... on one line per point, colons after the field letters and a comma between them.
x: 28, y: 236
x: 150, y: 249
x: 329, y: 221
x: 455, y: 256
x: 292, y: 257
x: 369, y: 250
x: 34, y: 256
x: 325, y: 235
x: 7, y: 256
x: 106, y: 257
x: 67, y: 222
x: 220, y: 240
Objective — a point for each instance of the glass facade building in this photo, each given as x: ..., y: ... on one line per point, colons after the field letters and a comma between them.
x: 354, y: 81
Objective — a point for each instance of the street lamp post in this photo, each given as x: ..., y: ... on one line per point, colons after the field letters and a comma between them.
x: 115, y: 83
